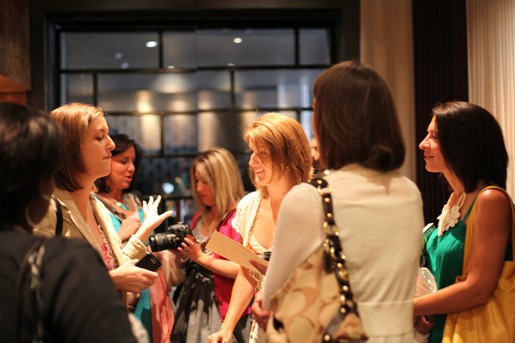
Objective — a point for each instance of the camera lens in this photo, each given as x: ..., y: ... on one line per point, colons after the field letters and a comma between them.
x: 171, y: 239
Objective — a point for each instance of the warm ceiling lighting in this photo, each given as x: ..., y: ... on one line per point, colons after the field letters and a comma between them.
x: 151, y: 44
x: 237, y: 40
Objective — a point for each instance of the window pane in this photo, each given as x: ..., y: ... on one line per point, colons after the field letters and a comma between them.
x: 158, y: 171
x: 145, y: 130
x: 148, y: 92
x: 223, y: 130
x: 180, y: 133
x: 179, y: 49
x: 214, y: 90
x: 255, y: 47
x: 76, y: 88
x: 109, y: 50
x: 314, y: 46
x: 170, y: 177
x: 274, y: 88
x: 305, y: 121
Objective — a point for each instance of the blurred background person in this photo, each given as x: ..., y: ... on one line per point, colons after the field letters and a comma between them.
x: 378, y: 211
x: 280, y: 158
x: 85, y: 156
x: 76, y: 298
x: 204, y: 298
x: 115, y: 191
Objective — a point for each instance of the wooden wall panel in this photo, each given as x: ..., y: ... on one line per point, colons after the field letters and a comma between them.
x: 14, y: 50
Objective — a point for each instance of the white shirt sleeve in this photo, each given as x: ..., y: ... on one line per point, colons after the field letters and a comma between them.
x: 298, y: 233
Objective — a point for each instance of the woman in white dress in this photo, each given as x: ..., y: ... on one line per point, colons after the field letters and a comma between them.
x: 378, y: 211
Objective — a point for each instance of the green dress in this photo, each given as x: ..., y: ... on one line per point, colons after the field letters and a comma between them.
x: 445, y: 261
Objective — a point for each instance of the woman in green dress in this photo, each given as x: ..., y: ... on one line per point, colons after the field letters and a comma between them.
x: 465, y: 144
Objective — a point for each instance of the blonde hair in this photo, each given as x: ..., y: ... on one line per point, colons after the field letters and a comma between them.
x: 286, y: 144
x: 218, y: 168
x: 74, y: 119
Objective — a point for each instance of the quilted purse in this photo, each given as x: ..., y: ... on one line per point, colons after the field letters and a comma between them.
x: 316, y: 303
x: 495, y: 320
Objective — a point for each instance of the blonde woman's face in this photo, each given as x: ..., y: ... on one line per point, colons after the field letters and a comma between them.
x: 96, y: 149
x: 204, y: 191
x: 261, y: 165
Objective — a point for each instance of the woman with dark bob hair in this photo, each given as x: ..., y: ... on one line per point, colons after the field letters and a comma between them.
x: 378, y: 211
x: 76, y: 300
x: 465, y: 144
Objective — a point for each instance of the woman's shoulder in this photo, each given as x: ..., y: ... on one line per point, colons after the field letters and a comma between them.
x: 494, y: 199
x: 249, y: 201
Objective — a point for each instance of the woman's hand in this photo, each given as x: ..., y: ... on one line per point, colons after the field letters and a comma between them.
x: 259, y: 314
x: 222, y: 336
x: 191, y: 249
x: 423, y: 325
x: 129, y: 278
x: 152, y: 218
x: 261, y: 268
x: 129, y: 226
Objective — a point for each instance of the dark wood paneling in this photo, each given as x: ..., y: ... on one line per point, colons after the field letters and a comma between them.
x: 14, y: 45
x: 440, y: 53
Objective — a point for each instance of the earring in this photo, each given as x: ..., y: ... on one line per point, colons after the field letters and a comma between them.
x: 28, y: 219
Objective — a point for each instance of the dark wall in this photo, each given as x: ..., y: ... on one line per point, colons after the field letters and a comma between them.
x: 14, y: 50
x: 440, y: 52
x: 46, y: 14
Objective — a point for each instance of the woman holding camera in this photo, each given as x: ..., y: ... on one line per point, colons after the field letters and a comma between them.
x: 85, y: 156
x: 204, y: 297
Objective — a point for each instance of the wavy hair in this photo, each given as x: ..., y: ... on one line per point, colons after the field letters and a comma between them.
x: 285, y: 142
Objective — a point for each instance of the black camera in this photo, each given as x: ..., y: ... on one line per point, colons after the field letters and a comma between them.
x: 170, y: 239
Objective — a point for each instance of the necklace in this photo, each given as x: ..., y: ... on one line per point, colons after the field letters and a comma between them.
x: 450, y: 215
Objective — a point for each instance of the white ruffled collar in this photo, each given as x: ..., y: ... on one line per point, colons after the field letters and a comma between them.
x: 450, y: 216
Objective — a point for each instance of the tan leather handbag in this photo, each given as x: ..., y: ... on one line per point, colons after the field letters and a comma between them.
x: 316, y: 303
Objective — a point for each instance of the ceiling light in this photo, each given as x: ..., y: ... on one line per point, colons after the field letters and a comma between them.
x: 237, y: 40
x: 118, y: 55
x: 151, y: 44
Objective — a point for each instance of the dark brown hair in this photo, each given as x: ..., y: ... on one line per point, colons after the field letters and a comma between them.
x: 355, y: 120
x: 122, y: 142
x: 29, y: 153
x: 472, y: 144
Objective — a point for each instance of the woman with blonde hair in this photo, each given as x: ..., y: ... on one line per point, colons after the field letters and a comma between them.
x: 85, y: 156
x: 204, y: 297
x: 280, y: 158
